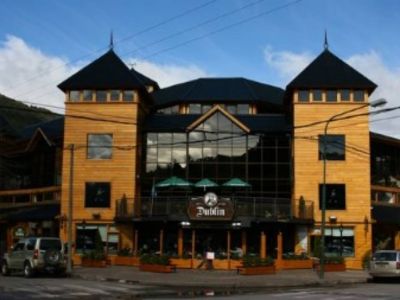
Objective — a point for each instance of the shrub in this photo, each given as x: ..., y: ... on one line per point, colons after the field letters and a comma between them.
x: 94, y: 255
x: 125, y: 252
x: 292, y: 256
x: 256, y: 261
x: 152, y: 259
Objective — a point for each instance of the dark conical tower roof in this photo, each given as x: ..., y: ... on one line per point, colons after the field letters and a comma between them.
x: 329, y: 71
x: 106, y: 72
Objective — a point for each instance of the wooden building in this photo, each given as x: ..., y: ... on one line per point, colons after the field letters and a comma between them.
x: 227, y: 165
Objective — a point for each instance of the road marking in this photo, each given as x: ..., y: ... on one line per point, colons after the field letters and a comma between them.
x: 92, y: 290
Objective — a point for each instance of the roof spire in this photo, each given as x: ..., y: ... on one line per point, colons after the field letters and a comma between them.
x: 111, y: 45
x: 326, y: 45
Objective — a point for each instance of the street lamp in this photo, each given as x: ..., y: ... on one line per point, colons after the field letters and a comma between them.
x: 375, y: 103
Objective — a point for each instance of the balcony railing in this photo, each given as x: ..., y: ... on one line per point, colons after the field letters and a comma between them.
x: 385, y: 195
x: 26, y: 197
x: 176, y: 207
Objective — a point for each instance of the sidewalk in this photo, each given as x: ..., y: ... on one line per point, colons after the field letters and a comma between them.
x: 219, y: 279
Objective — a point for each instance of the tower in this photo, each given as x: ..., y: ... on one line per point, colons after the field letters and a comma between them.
x: 325, y: 88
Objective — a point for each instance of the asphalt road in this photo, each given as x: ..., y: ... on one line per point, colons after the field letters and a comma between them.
x: 17, y: 287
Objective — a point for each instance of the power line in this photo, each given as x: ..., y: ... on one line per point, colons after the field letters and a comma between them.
x: 124, y: 39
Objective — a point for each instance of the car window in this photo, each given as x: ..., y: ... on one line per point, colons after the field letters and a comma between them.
x: 385, y: 256
x: 19, y: 247
x: 50, y: 244
x: 30, y: 245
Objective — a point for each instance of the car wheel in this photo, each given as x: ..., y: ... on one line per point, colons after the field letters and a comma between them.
x: 5, y: 271
x: 28, y: 272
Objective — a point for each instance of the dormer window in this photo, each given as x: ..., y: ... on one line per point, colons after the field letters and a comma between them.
x: 358, y: 96
x: 101, y: 96
x: 114, y: 95
x: 303, y: 96
x: 128, y: 96
x: 88, y: 95
x: 331, y: 96
x: 74, y: 96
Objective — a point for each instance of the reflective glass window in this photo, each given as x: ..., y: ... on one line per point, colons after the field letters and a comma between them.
x: 317, y: 95
x: 101, y: 96
x: 114, y: 95
x: 303, y: 96
x: 195, y: 109
x: 97, y: 194
x: 335, y: 196
x: 358, y: 96
x: 335, y: 146
x: 128, y: 96
x: 74, y: 96
x: 243, y: 109
x: 331, y: 96
x: 87, y: 95
x: 99, y: 146
x: 345, y: 95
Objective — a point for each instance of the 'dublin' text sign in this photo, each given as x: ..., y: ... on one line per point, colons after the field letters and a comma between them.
x: 210, y: 208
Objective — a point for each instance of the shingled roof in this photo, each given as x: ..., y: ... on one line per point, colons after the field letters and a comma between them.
x: 106, y: 72
x: 214, y: 90
x: 329, y: 71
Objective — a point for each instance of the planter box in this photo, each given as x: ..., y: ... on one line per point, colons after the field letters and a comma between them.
x: 126, y: 261
x: 292, y: 264
x: 182, y: 263
x: 257, y: 270
x: 157, y: 268
x: 91, y: 263
x: 333, y: 268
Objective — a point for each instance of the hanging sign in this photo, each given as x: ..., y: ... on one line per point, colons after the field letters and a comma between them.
x: 210, y: 208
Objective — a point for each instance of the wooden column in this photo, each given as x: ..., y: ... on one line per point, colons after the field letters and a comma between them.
x: 397, y: 240
x: 135, y: 245
x: 263, y: 245
x: 244, y: 242
x: 280, y: 250
x: 193, y: 247
x: 161, y: 241
x: 228, y: 248
x: 180, y: 242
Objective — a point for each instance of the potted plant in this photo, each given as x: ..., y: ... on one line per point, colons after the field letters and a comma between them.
x: 95, y: 259
x: 334, y: 264
x: 254, y: 265
x: 125, y: 257
x: 156, y: 263
x: 296, y: 261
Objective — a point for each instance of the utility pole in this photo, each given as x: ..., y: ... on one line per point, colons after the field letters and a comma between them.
x: 70, y: 198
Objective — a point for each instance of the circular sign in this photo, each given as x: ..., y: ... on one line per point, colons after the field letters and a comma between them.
x: 210, y: 199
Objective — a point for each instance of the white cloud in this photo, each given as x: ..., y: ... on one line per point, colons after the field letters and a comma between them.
x: 167, y: 74
x: 28, y: 74
x: 289, y: 64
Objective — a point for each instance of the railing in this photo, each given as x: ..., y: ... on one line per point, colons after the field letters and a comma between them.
x: 25, y: 197
x: 385, y: 195
x: 257, y: 207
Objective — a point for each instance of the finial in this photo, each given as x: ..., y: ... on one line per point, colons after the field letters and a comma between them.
x: 111, y: 46
x: 131, y: 65
x: 326, y: 45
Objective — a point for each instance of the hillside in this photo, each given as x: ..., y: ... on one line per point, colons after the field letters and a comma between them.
x: 19, y: 115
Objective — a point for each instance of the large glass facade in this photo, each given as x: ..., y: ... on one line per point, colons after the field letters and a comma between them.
x: 220, y: 150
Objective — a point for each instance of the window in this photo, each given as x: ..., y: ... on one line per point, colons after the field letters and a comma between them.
x: 335, y: 147
x: 30, y: 244
x: 114, y: 95
x: 345, y: 95
x: 331, y: 96
x: 194, y: 109
x: 101, y: 96
x: 172, y: 110
x: 74, y: 96
x: 358, y: 96
x: 205, y: 108
x: 128, y: 96
x: 97, y: 194
x: 339, y: 241
x: 87, y: 95
x: 99, y: 146
x: 243, y: 109
x: 232, y: 109
x: 91, y: 237
x: 303, y: 96
x: 317, y: 95
x: 335, y: 196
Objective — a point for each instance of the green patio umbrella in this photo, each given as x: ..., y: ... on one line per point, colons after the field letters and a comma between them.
x: 173, y: 182
x: 236, y: 182
x: 205, y: 183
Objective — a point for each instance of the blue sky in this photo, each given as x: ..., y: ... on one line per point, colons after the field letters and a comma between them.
x: 272, y: 48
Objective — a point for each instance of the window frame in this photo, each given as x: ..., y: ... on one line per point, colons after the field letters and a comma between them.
x: 330, y: 92
x: 124, y: 93
x: 84, y: 99
x: 105, y: 93
x: 88, y: 146
x: 303, y: 92
x: 340, y: 206
x: 327, y: 157
x: 355, y: 92
x: 70, y: 99
x: 314, y: 92
x: 108, y: 204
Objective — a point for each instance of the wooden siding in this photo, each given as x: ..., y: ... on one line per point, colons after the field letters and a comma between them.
x: 354, y: 171
x: 120, y: 170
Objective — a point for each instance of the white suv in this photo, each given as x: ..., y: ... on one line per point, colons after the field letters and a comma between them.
x: 385, y: 263
x: 35, y: 254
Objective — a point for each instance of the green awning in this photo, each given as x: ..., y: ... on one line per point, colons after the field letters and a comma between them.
x: 205, y: 183
x: 236, y: 182
x: 173, y: 182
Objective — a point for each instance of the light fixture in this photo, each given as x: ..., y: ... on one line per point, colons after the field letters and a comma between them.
x: 236, y: 224
x: 185, y: 224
